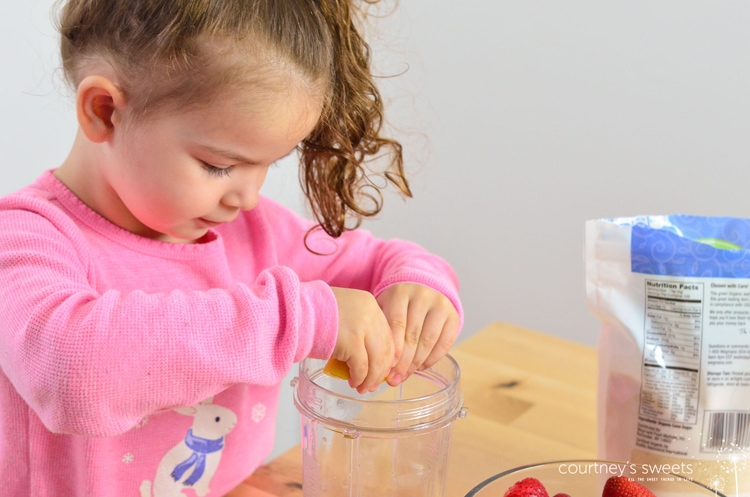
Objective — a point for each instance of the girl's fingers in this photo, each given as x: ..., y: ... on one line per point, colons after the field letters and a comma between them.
x: 416, y: 313
x: 396, y: 314
x: 423, y: 323
x: 380, y: 358
x: 432, y: 328
x: 448, y: 335
x: 358, y: 369
x: 364, y: 339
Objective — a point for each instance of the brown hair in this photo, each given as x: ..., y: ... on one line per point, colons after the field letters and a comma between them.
x: 177, y: 53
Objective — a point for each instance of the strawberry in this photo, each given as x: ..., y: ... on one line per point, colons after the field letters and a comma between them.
x: 528, y: 487
x: 561, y: 495
x: 621, y: 486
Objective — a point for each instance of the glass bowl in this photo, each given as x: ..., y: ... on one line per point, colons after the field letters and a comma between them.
x: 586, y: 478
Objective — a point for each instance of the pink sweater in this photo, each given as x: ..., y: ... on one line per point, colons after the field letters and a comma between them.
x: 127, y: 363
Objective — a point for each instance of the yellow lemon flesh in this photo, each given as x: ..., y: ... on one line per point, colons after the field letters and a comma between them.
x: 337, y: 369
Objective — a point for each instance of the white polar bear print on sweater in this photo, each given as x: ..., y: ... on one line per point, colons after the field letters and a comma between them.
x: 193, y: 461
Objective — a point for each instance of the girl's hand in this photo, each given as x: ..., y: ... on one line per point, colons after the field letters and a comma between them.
x: 424, y: 324
x: 364, y: 340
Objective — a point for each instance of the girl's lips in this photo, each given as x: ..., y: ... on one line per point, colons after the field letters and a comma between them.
x: 208, y: 223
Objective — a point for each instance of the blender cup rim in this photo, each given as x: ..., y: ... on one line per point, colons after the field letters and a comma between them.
x: 355, y: 431
x: 430, y: 411
x: 443, y: 389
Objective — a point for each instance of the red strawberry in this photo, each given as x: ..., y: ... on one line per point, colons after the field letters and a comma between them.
x: 528, y: 487
x: 621, y: 486
x: 561, y: 495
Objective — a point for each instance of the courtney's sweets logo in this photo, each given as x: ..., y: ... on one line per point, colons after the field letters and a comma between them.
x: 626, y: 469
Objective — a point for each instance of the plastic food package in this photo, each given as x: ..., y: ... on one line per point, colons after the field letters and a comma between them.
x: 673, y: 297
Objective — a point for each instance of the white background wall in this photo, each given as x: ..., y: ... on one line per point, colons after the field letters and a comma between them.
x: 521, y: 119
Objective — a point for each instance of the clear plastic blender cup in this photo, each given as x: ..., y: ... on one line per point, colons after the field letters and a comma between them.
x: 393, y: 442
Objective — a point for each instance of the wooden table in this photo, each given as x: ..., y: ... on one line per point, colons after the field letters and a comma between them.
x: 531, y: 398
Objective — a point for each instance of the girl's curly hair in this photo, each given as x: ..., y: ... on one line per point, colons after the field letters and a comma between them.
x: 171, y: 54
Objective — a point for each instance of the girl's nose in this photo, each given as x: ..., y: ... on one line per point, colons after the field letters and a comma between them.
x: 245, y: 191
x: 244, y: 201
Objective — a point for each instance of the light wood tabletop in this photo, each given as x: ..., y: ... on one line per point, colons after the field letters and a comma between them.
x: 531, y: 398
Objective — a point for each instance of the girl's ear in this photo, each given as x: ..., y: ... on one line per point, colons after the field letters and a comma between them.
x: 99, y: 107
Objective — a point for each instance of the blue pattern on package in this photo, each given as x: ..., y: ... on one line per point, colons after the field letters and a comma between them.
x: 666, y: 245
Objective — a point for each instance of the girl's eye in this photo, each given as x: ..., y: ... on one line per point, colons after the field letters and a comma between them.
x: 216, y: 171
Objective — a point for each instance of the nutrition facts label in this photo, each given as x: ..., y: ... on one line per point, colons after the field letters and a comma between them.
x: 672, y: 351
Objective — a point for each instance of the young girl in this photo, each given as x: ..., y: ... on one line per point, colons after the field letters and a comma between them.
x: 152, y: 301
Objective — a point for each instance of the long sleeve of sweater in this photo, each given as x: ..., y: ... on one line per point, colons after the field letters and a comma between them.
x: 94, y: 361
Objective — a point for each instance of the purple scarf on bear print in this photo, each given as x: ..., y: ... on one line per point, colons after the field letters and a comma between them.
x: 200, y: 447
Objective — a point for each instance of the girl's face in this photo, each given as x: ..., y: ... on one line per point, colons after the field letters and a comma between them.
x: 176, y: 176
